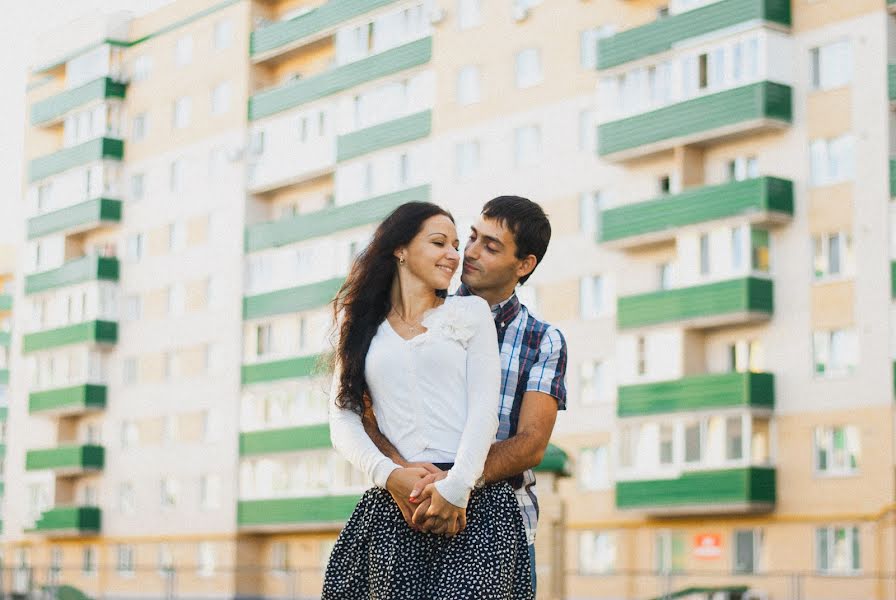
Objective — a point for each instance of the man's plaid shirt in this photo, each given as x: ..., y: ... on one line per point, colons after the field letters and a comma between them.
x: 533, y: 358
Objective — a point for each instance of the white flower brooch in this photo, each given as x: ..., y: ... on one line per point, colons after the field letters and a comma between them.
x: 451, y: 321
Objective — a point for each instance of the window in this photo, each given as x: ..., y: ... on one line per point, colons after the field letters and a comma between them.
x: 837, y: 549
x: 693, y: 442
x: 641, y: 355
x: 183, y: 51
x: 223, y: 34
x: 590, y: 204
x: 734, y: 438
x: 527, y: 145
x: 837, y: 450
x: 142, y: 68
x: 832, y: 255
x: 165, y: 559
x: 469, y: 14
x: 177, y: 236
x: 831, y: 65
x: 126, y: 500
x: 746, y: 356
x: 177, y: 297
x: 263, y: 340
x: 664, y: 276
x: 138, y: 131
x: 182, y: 108
x: 125, y: 560
x: 280, y: 557
x: 748, y: 550
x: 206, y: 559
x: 221, y: 98
x: 172, y: 365
x: 129, y: 434
x: 134, y: 247
x: 137, y: 186
x: 738, y: 248
x: 256, y: 143
x: 835, y: 352
x: 176, y: 175
x: 597, y: 552
x: 88, y: 560
x: 528, y: 68
x: 467, y: 157
x: 133, y: 307
x: 468, y: 89
x: 595, y: 382
x: 209, y: 492
x: 129, y: 371
x: 760, y: 249
x: 667, y: 444
x: 669, y: 554
x: 832, y: 161
x: 704, y: 254
x: 212, y: 293
x: 594, y: 468
x: 593, y: 296
x: 743, y: 167
x: 168, y: 489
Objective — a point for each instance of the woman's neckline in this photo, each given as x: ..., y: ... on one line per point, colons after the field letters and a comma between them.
x: 426, y: 314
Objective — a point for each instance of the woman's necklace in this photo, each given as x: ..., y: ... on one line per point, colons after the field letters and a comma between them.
x: 414, y: 328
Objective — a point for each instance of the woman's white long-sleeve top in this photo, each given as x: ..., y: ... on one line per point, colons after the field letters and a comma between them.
x: 435, y: 397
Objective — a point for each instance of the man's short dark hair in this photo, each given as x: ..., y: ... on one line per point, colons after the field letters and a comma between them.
x: 526, y: 221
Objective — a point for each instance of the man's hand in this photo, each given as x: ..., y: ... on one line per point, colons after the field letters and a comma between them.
x: 399, y: 486
x: 436, y: 515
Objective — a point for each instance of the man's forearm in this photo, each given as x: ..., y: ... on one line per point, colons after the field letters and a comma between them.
x: 381, y: 441
x: 511, y: 457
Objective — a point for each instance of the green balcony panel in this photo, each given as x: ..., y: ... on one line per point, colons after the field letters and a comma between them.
x: 77, y: 218
x: 290, y: 33
x: 893, y: 279
x: 72, y: 400
x: 2, y: 451
x: 58, y: 105
x: 69, y: 158
x: 749, y: 489
x: 5, y: 302
x: 555, y: 460
x: 297, y: 299
x: 289, y: 439
x: 80, y: 270
x: 69, y: 521
x: 330, y: 220
x: 713, y: 116
x: 698, y: 392
x: 90, y: 332
x: 4, y: 376
x: 290, y: 368
x: 892, y: 177
x: 66, y: 459
x: 384, y: 135
x: 763, y: 200
x: 891, y: 82
x: 714, y: 304
x: 664, y: 33
x: 4, y: 413
x: 340, y: 78
x: 298, y: 513
x: 5, y: 338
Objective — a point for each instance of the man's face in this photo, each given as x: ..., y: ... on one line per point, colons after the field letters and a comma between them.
x: 490, y: 260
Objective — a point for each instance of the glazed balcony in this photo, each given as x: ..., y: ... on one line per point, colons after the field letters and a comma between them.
x: 297, y: 299
x: 753, y: 108
x: 384, y: 135
x: 297, y: 93
x: 78, y: 218
x: 75, y: 156
x: 53, y: 109
x: 724, y: 303
x: 696, y: 393
x: 68, y: 521
x: 80, y: 270
x: 665, y: 33
x: 68, y: 401
x: 723, y: 491
x: 66, y: 460
x: 89, y: 332
x: 764, y: 201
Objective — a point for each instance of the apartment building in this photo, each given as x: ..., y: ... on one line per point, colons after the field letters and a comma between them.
x: 7, y: 268
x: 717, y: 174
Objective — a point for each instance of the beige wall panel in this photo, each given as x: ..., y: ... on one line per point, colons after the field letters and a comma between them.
x: 718, y: 155
x: 151, y: 368
x: 155, y: 304
x: 197, y: 230
x: 189, y: 427
x: 802, y: 492
x: 833, y: 305
x: 192, y: 361
x: 831, y: 208
x: 690, y: 165
x: 559, y: 301
x: 197, y: 292
x: 284, y: 6
x: 150, y: 431
x: 157, y: 243
x: 312, y: 59
x: 564, y: 216
x: 829, y: 113
x: 813, y: 14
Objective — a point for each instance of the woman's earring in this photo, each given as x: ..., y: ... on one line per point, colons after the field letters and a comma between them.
x: 401, y: 260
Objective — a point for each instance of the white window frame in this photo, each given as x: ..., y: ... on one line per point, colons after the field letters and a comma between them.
x: 853, y: 535
x: 528, y: 68
x: 826, y: 435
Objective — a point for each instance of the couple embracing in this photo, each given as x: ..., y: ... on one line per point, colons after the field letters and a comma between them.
x: 446, y: 403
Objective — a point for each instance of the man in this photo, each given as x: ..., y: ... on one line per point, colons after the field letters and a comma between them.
x: 506, y: 243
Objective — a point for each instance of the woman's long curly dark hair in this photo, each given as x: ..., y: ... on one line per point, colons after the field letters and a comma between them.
x: 363, y: 302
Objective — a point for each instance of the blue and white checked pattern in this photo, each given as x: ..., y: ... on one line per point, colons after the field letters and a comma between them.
x: 533, y: 358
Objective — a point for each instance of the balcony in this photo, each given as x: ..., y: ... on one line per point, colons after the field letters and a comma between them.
x: 90, y: 332
x: 763, y: 201
x: 54, y: 108
x: 284, y: 165
x: 665, y: 33
x: 340, y: 78
x: 5, y: 302
x: 725, y: 303
x: 317, y: 513
x: 289, y: 368
x: 325, y: 222
x: 384, y: 135
x: 4, y: 413
x: 66, y: 460
x: 297, y: 299
x: 4, y: 379
x: 891, y: 83
x: 698, y: 392
x: 751, y: 108
x: 81, y: 217
x: 277, y: 38
x: 87, y: 268
x: 555, y: 461
x: 68, y: 401
x: 75, y: 156
x: 288, y: 439
x: 5, y: 338
x: 744, y: 490
x: 69, y: 521
x: 892, y: 177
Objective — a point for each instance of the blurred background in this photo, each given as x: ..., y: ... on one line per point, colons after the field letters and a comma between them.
x: 185, y: 184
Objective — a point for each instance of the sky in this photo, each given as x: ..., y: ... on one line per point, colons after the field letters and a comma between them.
x: 21, y: 25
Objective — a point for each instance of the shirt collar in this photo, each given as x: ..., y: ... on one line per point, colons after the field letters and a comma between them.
x: 503, y: 312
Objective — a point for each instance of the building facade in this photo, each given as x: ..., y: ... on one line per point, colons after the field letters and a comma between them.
x: 199, y: 179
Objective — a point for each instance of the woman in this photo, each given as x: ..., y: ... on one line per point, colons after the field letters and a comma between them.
x: 430, y: 367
